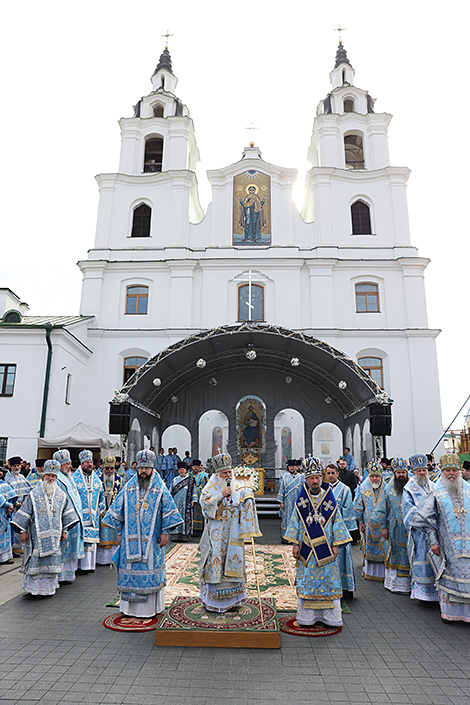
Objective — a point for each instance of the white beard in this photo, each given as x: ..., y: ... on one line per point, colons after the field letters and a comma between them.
x: 452, y: 486
x: 375, y: 485
x: 220, y: 482
x: 48, y: 488
x: 422, y: 481
x: 67, y: 473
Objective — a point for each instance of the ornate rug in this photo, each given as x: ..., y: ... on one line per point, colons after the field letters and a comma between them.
x: 121, y: 623
x: 187, y: 613
x: 288, y: 624
x: 275, y: 565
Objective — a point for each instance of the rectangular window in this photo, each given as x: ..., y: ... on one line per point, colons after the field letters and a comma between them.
x: 374, y: 366
x: 7, y: 380
x: 68, y: 385
x: 137, y: 299
x: 131, y: 364
x: 367, y: 298
x: 3, y: 449
x: 251, y: 304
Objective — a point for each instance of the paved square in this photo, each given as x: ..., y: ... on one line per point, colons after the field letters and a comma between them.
x: 391, y: 650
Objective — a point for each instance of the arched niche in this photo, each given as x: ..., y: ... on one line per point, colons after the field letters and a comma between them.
x: 155, y: 439
x: 134, y: 441
x: 327, y: 442
x: 177, y: 436
x: 289, y: 436
x: 357, y: 444
x: 213, y: 434
x: 367, y: 446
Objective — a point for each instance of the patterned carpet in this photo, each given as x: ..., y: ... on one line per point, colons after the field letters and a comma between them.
x: 276, y: 570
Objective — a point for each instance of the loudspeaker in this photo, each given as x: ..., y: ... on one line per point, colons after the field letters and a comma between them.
x: 380, y: 419
x: 119, y: 418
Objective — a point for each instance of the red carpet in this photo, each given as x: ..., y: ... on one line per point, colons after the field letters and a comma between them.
x: 288, y: 625
x: 119, y: 622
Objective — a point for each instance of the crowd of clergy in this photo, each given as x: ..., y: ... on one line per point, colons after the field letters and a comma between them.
x: 410, y: 517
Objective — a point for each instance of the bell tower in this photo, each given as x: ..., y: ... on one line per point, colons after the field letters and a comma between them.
x: 351, y: 164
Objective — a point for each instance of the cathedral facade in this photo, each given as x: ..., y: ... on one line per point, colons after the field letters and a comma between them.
x: 253, y: 327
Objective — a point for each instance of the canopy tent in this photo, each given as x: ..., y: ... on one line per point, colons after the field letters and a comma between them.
x: 82, y: 436
x: 214, y: 369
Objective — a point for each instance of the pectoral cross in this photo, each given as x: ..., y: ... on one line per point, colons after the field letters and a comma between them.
x: 303, y: 502
x: 329, y: 506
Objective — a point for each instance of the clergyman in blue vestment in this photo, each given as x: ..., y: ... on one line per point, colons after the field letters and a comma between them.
x: 445, y: 517
x: 290, y: 483
x: 42, y: 522
x: 388, y: 514
x: 344, y: 499
x: 415, y: 493
x: 143, y: 513
x: 91, y: 492
x: 183, y: 491
x: 317, y: 530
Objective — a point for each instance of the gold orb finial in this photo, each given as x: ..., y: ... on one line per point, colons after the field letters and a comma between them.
x: 252, y: 144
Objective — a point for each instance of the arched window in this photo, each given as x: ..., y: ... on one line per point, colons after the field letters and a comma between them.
x: 131, y: 364
x: 360, y: 218
x: 251, y: 310
x: 141, y: 221
x: 367, y: 298
x: 374, y: 367
x: 158, y: 111
x: 348, y: 105
x: 353, y: 152
x: 137, y: 299
x: 153, y: 158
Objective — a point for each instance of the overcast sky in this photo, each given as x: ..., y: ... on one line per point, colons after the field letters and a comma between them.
x: 71, y: 70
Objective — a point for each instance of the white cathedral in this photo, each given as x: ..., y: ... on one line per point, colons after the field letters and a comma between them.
x: 250, y: 328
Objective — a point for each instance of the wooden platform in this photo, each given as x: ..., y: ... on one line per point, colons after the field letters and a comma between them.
x: 187, y: 623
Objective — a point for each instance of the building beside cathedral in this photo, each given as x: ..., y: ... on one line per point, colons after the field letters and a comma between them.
x: 251, y: 327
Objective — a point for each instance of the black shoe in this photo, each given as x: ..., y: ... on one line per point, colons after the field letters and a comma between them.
x: 16, y: 555
x: 348, y: 595
x: 9, y: 562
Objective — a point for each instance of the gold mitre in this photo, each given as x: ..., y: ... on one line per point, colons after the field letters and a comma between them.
x: 449, y: 460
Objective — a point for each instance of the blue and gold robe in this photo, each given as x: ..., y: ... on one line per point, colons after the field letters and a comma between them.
x: 388, y: 515
x: 228, y: 523
x: 109, y: 537
x: 364, y: 505
x: 44, y: 521
x: 289, y: 488
x: 414, y: 496
x: 184, y: 493
x: 201, y: 479
x: 8, y: 496
x: 73, y: 547
x: 93, y: 505
x: 140, y: 560
x: 344, y: 499
x: 318, y: 580
x: 446, y: 522
x: 33, y: 477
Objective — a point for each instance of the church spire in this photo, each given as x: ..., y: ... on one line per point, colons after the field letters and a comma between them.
x: 163, y: 77
x: 164, y: 62
x: 341, y: 55
x: 343, y: 72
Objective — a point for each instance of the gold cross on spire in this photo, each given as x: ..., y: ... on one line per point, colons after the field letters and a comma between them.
x: 339, y: 29
x: 251, y: 129
x: 167, y: 35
